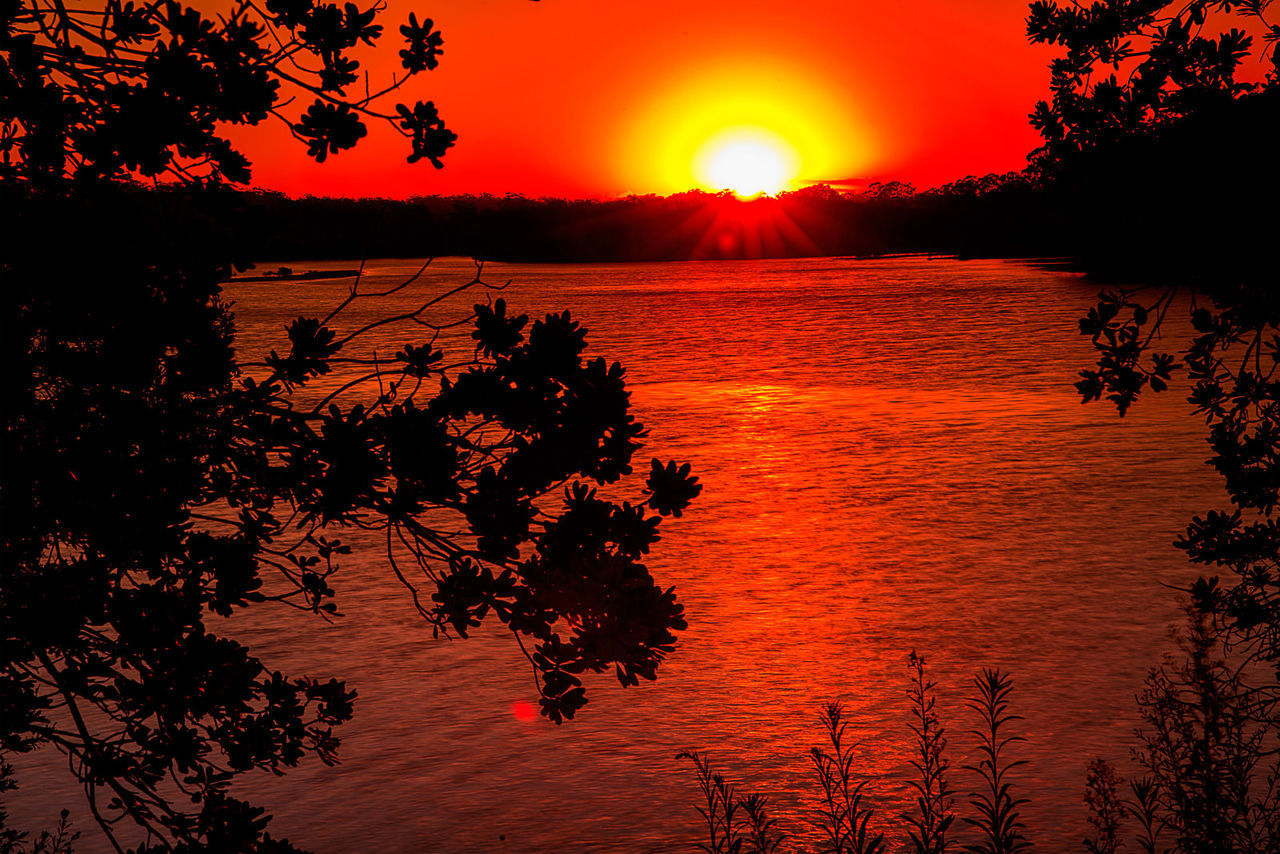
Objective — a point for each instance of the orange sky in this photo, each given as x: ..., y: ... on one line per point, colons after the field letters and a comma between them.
x: 598, y: 98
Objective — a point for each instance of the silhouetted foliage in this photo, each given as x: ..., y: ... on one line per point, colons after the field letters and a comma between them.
x: 754, y: 832
x: 1210, y: 754
x: 719, y: 806
x: 762, y: 834
x: 1167, y: 158
x: 1231, y: 363
x: 1212, y: 783
x: 844, y: 816
x: 153, y: 479
x: 94, y: 92
x: 13, y: 841
x: 1144, y: 807
x: 890, y: 190
x: 1173, y: 69
x: 1157, y: 147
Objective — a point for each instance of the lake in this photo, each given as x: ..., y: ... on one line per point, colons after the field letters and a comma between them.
x: 893, y: 458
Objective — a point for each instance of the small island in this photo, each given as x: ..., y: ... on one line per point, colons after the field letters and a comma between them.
x: 286, y: 274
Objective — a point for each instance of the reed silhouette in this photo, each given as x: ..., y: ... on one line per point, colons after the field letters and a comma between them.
x: 845, y: 817
x: 996, y: 809
x: 934, y: 802
x: 1208, y: 761
x: 843, y: 811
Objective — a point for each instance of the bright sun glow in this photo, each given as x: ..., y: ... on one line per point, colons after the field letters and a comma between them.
x: 669, y: 142
x: 748, y: 161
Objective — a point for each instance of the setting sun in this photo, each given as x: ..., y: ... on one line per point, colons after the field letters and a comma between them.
x: 748, y: 161
x: 735, y: 124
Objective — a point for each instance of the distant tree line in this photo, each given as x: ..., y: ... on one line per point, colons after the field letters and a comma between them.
x: 1140, y: 207
x: 990, y: 216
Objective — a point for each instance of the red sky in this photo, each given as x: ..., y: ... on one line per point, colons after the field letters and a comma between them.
x: 598, y: 98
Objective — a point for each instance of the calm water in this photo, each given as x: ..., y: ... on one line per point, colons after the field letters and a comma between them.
x: 893, y: 459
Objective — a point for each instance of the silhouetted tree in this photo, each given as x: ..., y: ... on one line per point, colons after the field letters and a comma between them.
x: 1155, y: 143
x: 1181, y: 110
x: 149, y: 484
x: 1164, y: 158
x: 1165, y: 67
x: 890, y: 190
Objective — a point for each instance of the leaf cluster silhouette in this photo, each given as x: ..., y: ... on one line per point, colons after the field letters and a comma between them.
x: 92, y: 92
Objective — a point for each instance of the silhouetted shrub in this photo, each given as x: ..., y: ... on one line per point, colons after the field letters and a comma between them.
x: 1106, y: 810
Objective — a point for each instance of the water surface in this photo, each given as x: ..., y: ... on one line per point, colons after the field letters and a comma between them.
x: 893, y: 459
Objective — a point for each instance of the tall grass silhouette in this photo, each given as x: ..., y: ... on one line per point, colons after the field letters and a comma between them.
x: 737, y: 824
x: 1208, y: 747
x: 934, y: 815
x: 844, y: 817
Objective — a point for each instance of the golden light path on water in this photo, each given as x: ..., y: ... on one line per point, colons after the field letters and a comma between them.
x: 893, y: 459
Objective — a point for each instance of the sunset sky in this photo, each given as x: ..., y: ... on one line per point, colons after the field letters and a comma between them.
x: 584, y: 98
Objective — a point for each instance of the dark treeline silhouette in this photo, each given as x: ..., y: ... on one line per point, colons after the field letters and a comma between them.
x: 991, y: 216
x: 1191, y: 200
x: 1180, y: 202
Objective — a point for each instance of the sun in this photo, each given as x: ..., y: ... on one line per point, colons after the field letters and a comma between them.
x: 747, y: 160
